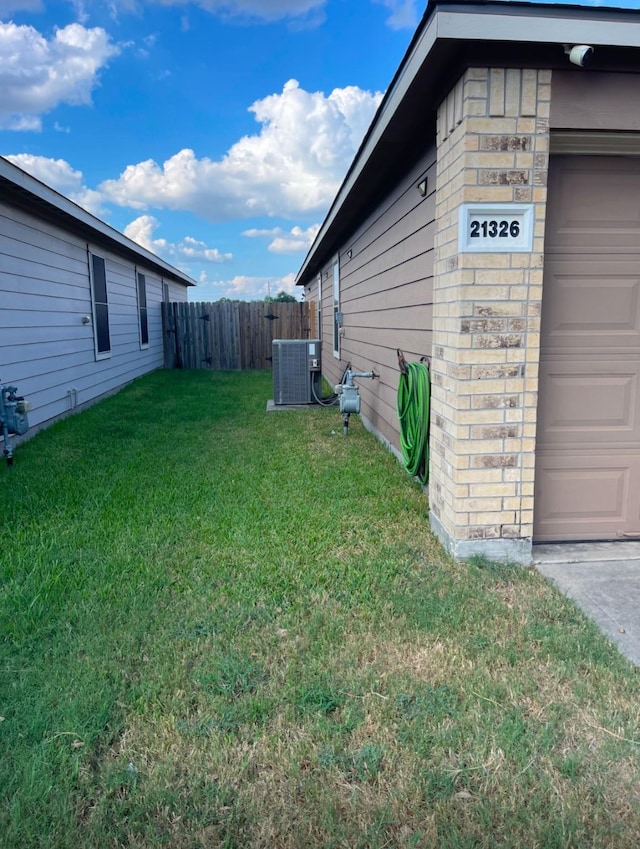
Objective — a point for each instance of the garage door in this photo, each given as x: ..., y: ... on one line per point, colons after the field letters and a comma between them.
x: 588, y: 441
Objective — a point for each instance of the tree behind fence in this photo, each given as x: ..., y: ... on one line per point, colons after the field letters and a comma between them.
x: 231, y: 334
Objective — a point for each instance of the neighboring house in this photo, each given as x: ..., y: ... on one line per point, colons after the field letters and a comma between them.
x: 80, y: 311
x: 491, y: 221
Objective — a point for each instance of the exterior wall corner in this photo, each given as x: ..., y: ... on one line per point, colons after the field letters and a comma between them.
x: 493, y: 143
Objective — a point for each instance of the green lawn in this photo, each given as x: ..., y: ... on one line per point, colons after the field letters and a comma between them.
x: 226, y: 628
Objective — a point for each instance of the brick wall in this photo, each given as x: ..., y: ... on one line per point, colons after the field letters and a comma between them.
x: 493, y: 146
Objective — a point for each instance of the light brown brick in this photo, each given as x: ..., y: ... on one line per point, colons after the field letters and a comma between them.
x: 494, y: 489
x: 505, y: 126
x: 513, y: 80
x: 530, y: 93
x: 494, y: 461
x: 480, y: 389
x: 498, y: 432
x: 496, y: 92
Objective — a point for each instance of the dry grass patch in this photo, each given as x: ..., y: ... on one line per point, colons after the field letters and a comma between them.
x: 432, y: 661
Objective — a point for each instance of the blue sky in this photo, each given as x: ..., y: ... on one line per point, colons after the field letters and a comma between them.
x: 214, y: 132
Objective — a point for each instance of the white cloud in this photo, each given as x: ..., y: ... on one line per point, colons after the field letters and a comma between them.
x: 148, y: 42
x: 7, y: 7
x: 294, y: 165
x: 141, y: 230
x: 404, y: 14
x: 21, y: 123
x: 266, y: 10
x: 255, y: 233
x: 194, y: 249
x: 62, y: 177
x: 295, y: 241
x: 244, y: 288
x: 37, y: 74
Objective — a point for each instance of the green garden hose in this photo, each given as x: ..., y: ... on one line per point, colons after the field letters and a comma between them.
x: 414, y: 392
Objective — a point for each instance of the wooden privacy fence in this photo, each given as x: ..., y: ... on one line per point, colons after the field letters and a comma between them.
x: 231, y: 334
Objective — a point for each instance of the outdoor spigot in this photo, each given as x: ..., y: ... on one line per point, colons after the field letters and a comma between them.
x: 352, y: 374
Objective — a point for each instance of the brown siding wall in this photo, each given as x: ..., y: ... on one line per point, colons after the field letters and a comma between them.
x: 386, y: 295
x: 583, y: 100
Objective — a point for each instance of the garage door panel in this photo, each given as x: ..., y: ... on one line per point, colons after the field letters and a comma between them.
x: 591, y: 304
x: 590, y: 502
x: 589, y: 403
x: 597, y: 204
x: 588, y: 436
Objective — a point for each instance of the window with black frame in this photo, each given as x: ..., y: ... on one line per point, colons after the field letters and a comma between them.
x: 142, y: 310
x: 100, y: 306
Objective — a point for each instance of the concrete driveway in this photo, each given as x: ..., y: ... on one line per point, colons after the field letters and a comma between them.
x: 604, y: 581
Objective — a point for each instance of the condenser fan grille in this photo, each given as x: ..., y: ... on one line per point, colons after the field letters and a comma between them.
x: 296, y: 370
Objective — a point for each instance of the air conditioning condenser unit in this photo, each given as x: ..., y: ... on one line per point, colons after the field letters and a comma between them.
x: 296, y: 371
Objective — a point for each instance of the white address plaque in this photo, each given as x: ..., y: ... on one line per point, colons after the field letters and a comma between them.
x: 496, y: 228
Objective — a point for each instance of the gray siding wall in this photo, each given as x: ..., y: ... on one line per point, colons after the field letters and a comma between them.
x: 45, y: 349
x: 386, y: 296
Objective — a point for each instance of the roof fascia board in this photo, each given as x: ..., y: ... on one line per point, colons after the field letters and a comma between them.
x: 543, y: 24
x: 50, y: 197
x: 552, y: 27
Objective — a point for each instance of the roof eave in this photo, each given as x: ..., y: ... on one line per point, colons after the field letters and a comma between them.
x: 450, y: 22
x: 26, y: 191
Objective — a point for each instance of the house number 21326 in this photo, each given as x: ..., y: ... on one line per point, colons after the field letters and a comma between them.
x: 494, y: 229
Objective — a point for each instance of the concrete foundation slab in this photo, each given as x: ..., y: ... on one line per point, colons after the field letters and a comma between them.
x: 272, y: 407
x: 568, y: 552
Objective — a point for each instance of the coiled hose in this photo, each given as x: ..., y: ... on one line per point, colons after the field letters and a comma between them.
x: 414, y: 391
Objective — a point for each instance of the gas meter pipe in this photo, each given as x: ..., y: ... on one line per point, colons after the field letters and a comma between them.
x: 414, y: 391
x: 332, y: 399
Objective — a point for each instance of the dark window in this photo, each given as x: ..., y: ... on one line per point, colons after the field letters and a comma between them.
x: 336, y: 309
x: 100, y: 305
x: 142, y: 309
